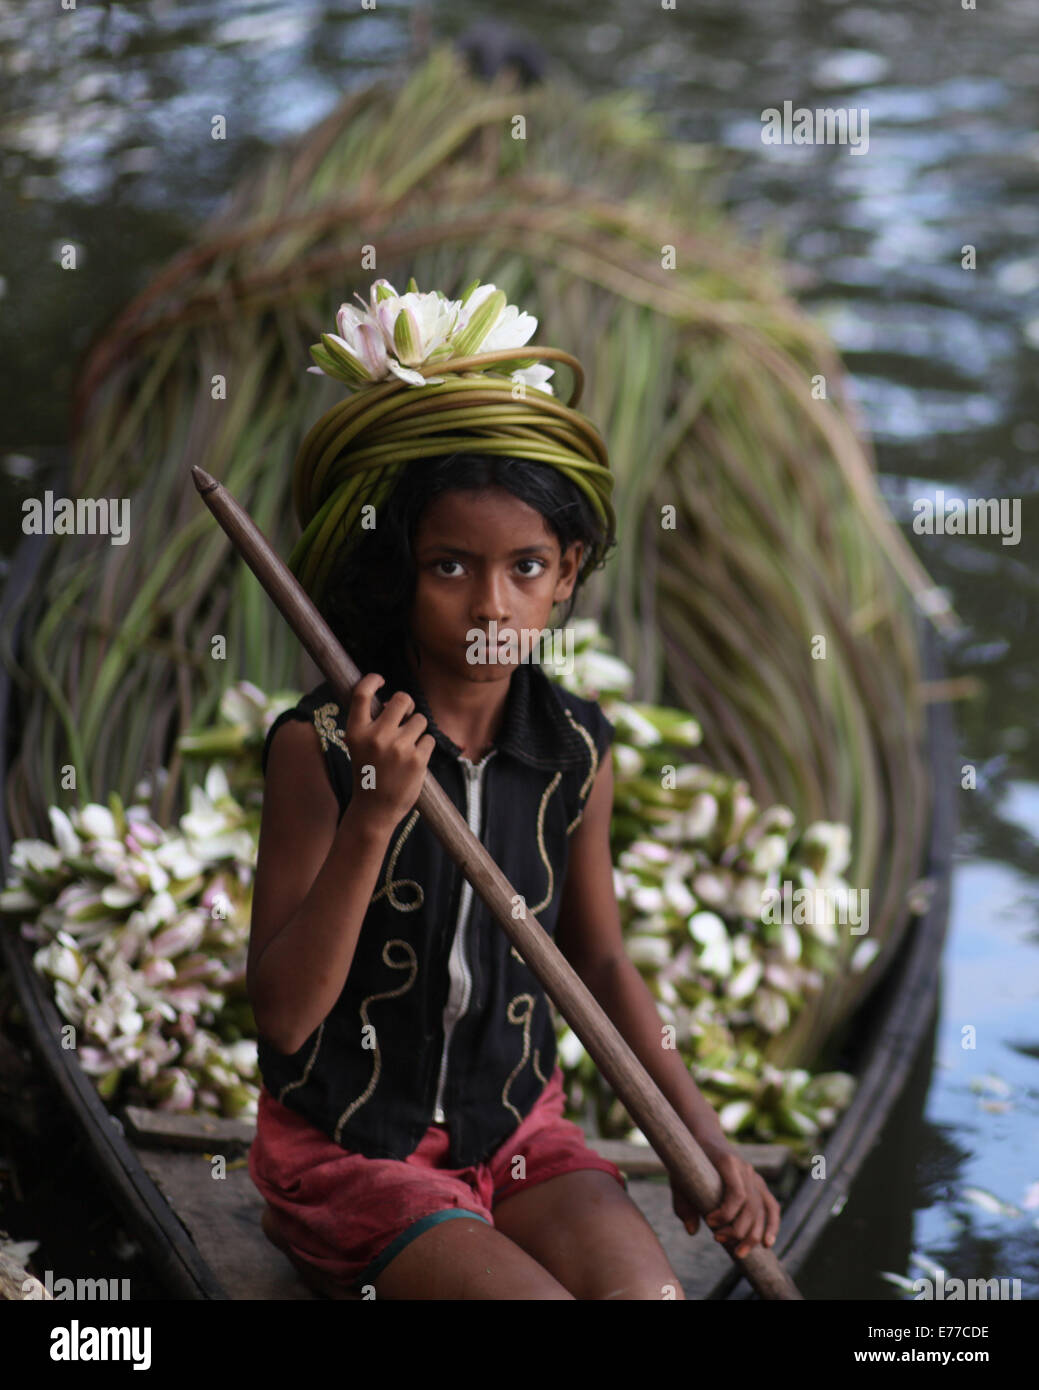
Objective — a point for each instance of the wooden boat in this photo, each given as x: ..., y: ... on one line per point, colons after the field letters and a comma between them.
x: 205, y: 1239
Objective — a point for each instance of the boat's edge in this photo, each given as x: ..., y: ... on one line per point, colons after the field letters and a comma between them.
x: 176, y: 1259
x: 911, y: 989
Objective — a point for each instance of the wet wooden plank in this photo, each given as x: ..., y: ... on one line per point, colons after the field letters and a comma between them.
x: 199, y: 1133
x: 222, y: 1216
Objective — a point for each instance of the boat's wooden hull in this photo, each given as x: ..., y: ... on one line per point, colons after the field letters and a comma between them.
x: 204, y: 1236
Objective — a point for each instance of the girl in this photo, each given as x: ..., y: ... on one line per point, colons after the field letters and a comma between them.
x: 410, y: 1137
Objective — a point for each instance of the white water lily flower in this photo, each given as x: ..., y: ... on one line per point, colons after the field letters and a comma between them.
x: 36, y: 855
x: 178, y: 857
x: 707, y: 928
x: 770, y: 1011
x: 242, y: 1056
x: 790, y: 944
x: 745, y: 981
x: 64, y: 836
x: 216, y: 784
x: 634, y: 727
x: 117, y: 895
x: 648, y: 950
x: 628, y: 762
x: 701, y: 817
x: 512, y: 330
x: 677, y: 895
x: 536, y: 376
x: 748, y: 898
x: 836, y: 842
x: 732, y: 1116
x: 647, y: 852
x: 17, y: 900
x: 744, y: 808
x: 712, y: 889
x: 570, y: 1049
x: 600, y: 673
x: 716, y: 959
x: 427, y: 324
x: 162, y: 908
x: 60, y: 960
x: 647, y: 899
x: 243, y: 703
x: 98, y: 822
x: 770, y: 853
x: 183, y: 935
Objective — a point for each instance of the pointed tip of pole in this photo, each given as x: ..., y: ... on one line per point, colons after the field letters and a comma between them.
x: 203, y: 480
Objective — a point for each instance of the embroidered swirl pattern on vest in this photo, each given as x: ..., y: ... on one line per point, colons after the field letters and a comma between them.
x: 412, y: 964
x: 517, y: 1019
x: 327, y: 729
x: 302, y: 1081
x: 593, y: 768
x: 392, y: 883
x: 541, y: 844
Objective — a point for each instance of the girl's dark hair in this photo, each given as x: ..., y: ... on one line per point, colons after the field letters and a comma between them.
x: 370, y: 589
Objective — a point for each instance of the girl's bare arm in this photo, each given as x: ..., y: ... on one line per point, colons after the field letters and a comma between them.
x: 314, y: 881
x: 313, y: 885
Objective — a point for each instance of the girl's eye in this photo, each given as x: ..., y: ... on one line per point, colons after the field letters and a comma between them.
x: 527, y: 574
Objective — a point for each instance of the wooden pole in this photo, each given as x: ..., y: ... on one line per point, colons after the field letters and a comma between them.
x: 685, y: 1161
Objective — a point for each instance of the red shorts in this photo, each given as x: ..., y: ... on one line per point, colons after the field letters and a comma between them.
x: 349, y: 1215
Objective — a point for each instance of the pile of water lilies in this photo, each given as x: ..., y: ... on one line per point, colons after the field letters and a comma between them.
x: 144, y: 930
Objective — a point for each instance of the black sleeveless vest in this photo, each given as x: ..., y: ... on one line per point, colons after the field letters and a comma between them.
x: 439, y: 1018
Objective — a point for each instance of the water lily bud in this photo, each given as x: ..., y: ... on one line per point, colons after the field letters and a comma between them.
x: 627, y: 761
x: 64, y: 836
x: 834, y: 1088
x: 158, y: 971
x: 118, y: 895
x: 745, y: 981
x: 98, y: 822
x: 713, y: 888
x: 748, y: 898
x: 648, y: 950
x: 701, y: 816
x: 35, y: 855
x: 174, y: 1090
x: 707, y: 928
x: 242, y: 1056
x: 770, y: 853
x: 734, y: 1116
x: 716, y: 959
x: 790, y: 942
x: 570, y: 1049
x: 795, y: 1122
x: 61, y: 960
x: 677, y: 895
x: 162, y: 908
x: 634, y: 727
x: 238, y: 1101
x: 770, y: 1011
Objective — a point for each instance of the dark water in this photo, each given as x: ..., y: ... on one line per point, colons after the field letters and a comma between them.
x: 105, y: 143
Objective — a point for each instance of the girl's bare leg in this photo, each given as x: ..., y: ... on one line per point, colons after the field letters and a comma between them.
x: 585, y: 1229
x: 461, y: 1259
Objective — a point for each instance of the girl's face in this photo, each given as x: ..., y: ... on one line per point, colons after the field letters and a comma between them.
x: 482, y: 556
